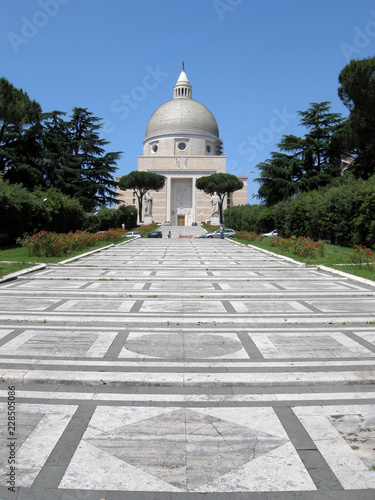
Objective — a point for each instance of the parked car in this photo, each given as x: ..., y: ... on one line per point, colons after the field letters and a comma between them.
x: 195, y: 224
x: 272, y: 234
x: 217, y: 234
x: 155, y: 234
x: 204, y: 235
x: 133, y: 234
x: 167, y: 223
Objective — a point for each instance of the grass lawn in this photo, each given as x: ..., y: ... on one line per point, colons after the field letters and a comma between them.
x: 14, y: 258
x: 334, y: 256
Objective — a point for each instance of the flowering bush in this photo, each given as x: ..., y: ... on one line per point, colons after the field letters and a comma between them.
x: 362, y: 255
x: 244, y: 235
x: 112, y: 234
x: 49, y: 244
x: 303, y: 247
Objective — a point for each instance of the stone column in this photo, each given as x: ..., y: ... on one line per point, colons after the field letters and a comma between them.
x: 168, y: 204
x: 194, y: 200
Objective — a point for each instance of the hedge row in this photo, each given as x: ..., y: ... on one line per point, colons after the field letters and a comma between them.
x: 343, y: 214
x: 23, y: 212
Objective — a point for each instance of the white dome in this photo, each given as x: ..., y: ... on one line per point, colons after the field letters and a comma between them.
x: 182, y: 115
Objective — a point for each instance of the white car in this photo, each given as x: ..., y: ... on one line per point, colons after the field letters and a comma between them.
x: 133, y: 234
x: 272, y: 234
x: 217, y: 234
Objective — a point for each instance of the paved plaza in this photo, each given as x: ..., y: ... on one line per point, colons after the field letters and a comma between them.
x: 186, y: 368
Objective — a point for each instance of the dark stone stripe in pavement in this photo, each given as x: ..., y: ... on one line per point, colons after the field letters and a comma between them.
x: 250, y: 346
x: 188, y: 369
x: 117, y: 345
x: 147, y: 403
x: 136, y: 306
x: 228, y: 307
x: 279, y: 287
x: 86, y: 285
x: 54, y: 306
x: 311, y: 307
x: 55, y: 466
x: 360, y: 340
x: 315, y: 464
x: 55, y: 494
x: 11, y: 336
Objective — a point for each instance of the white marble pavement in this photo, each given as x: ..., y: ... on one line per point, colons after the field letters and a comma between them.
x: 187, y: 367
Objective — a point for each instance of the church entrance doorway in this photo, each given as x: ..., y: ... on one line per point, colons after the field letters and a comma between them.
x: 180, y: 220
x: 181, y: 200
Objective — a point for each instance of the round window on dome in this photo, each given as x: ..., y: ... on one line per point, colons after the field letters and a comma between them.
x: 208, y: 148
x: 181, y: 146
x: 154, y: 148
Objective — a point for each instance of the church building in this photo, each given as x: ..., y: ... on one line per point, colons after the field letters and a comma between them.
x: 182, y: 143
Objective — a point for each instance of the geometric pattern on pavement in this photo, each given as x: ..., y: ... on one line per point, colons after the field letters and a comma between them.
x: 38, y: 428
x: 158, y: 368
x: 59, y: 343
x: 187, y: 450
x: 183, y: 345
x: 345, y: 436
x: 303, y: 345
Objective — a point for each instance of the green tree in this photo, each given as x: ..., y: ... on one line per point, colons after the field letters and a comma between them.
x: 23, y: 211
x: 321, y: 158
x: 19, y: 131
x: 279, y: 177
x: 357, y: 92
x: 222, y: 184
x: 303, y: 163
x: 54, y: 148
x: 253, y: 218
x: 140, y: 182
x: 88, y: 172
x: 109, y: 218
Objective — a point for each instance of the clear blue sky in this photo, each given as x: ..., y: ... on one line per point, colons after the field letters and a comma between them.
x: 253, y: 63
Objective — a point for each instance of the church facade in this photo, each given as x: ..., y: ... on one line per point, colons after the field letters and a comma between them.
x: 182, y: 143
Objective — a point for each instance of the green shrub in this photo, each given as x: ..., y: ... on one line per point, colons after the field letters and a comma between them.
x: 50, y: 244
x: 106, y: 218
x: 23, y: 211
x: 362, y: 255
x: 246, y: 236
x: 301, y: 246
